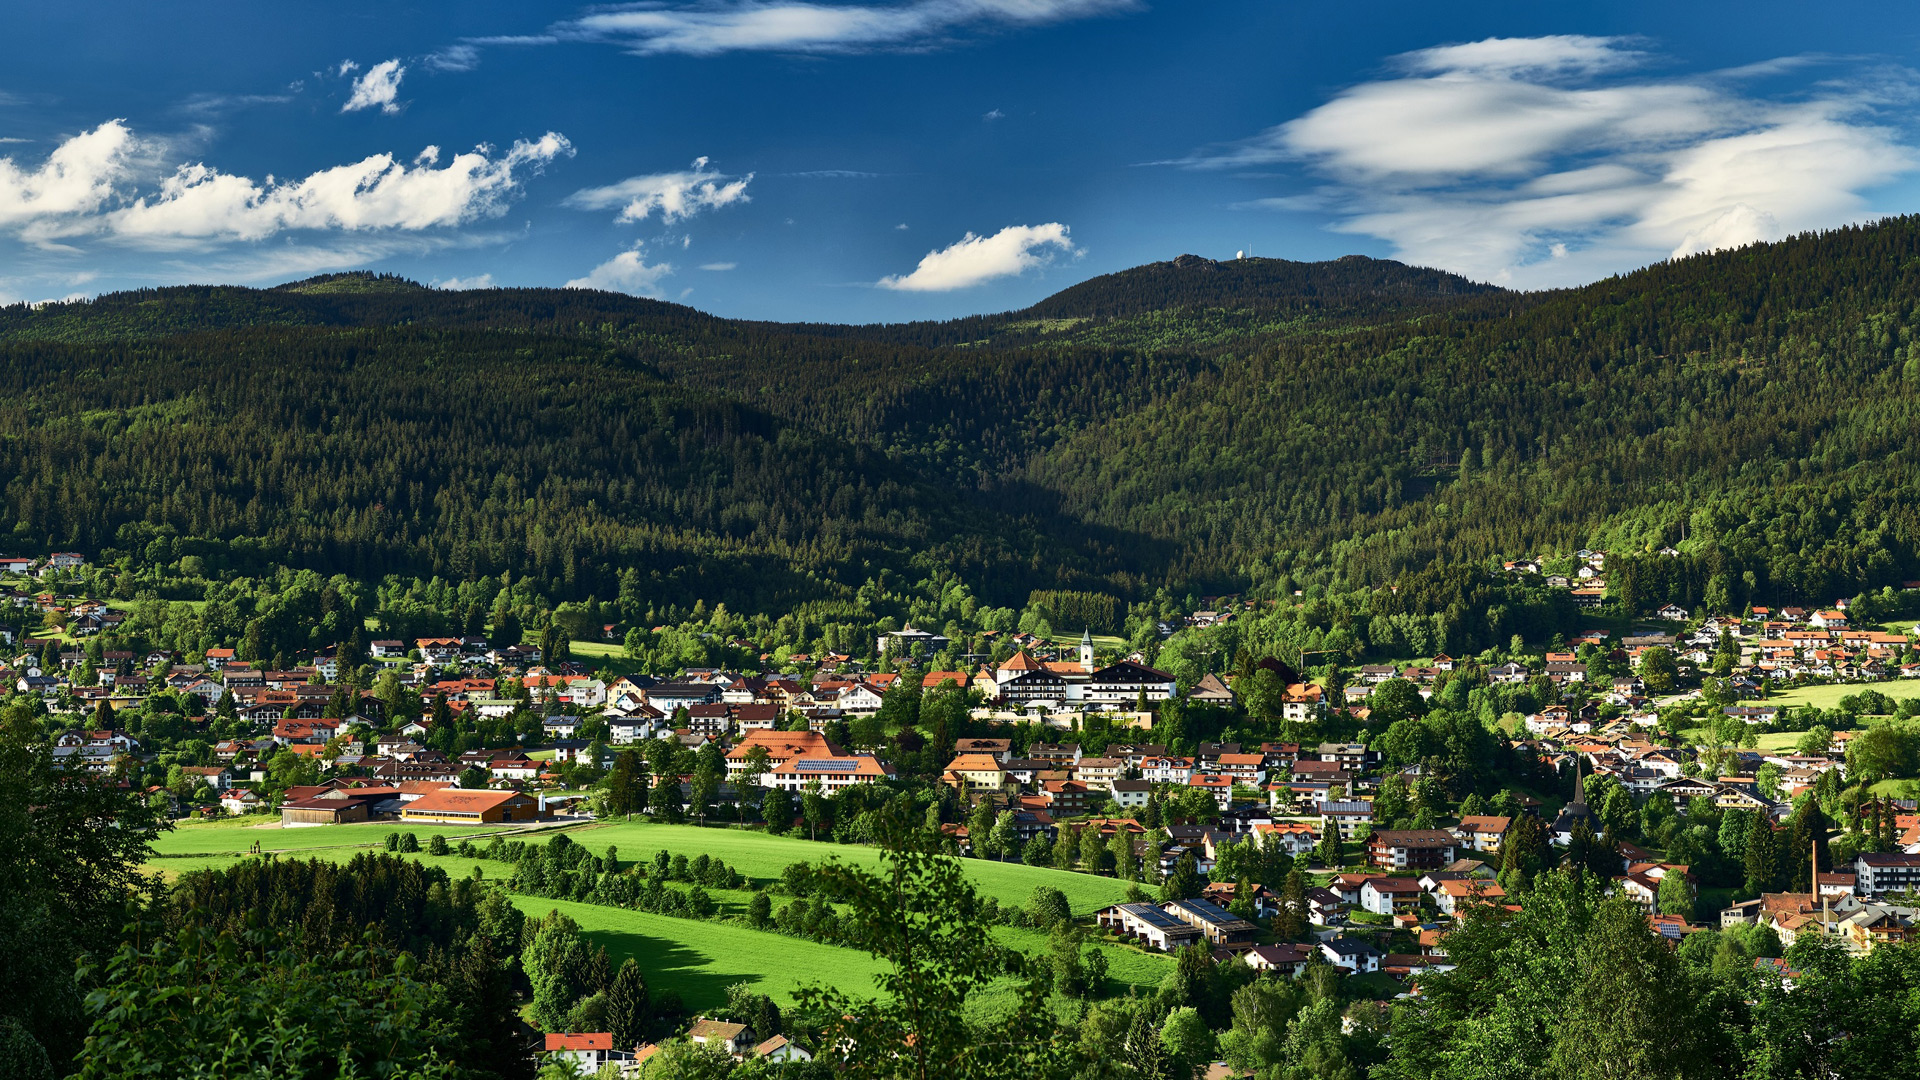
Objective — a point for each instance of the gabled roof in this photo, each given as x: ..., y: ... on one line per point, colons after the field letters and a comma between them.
x: 1479, y: 824
x: 1020, y: 661
x: 1415, y: 838
x: 598, y: 1040
x: 456, y: 800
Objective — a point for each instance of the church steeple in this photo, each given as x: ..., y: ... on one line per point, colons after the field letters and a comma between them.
x: 1086, y: 650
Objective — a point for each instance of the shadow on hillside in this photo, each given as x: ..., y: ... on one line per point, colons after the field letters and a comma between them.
x: 669, y: 965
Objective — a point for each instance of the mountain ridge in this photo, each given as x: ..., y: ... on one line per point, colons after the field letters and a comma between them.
x: 1764, y: 402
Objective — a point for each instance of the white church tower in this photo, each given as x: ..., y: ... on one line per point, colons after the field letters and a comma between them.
x: 1086, y: 651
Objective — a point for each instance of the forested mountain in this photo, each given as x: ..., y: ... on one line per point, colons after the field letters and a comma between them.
x: 1194, y: 282
x: 459, y: 453
x: 1187, y: 424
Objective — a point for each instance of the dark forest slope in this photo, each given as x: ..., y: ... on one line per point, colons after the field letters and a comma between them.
x: 461, y: 452
x: 1188, y: 423
x: 1191, y: 281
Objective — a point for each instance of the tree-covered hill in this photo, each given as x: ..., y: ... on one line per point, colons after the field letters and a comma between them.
x: 1759, y: 408
x: 1187, y: 424
x: 457, y: 452
x: 1194, y: 282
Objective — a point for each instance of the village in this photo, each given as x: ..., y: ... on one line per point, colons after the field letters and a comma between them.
x: 1058, y: 758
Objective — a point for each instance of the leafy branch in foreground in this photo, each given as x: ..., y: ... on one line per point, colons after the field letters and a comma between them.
x: 202, y: 1003
x: 921, y: 915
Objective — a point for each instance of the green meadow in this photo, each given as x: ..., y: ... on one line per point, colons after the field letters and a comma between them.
x: 236, y: 836
x: 697, y: 959
x: 1827, y: 697
x: 762, y: 856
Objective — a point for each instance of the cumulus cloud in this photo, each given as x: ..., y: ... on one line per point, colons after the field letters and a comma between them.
x: 460, y: 284
x: 1548, y: 161
x: 377, y: 192
x: 712, y: 28
x: 89, y: 185
x: 627, y: 272
x: 976, y: 259
x: 675, y: 195
x: 377, y: 89
x: 78, y: 177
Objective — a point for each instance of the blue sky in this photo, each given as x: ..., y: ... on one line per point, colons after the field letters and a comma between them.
x: 927, y: 158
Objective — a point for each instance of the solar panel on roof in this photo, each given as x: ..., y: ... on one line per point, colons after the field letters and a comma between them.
x: 827, y: 765
x: 1153, y: 916
x: 1209, y: 909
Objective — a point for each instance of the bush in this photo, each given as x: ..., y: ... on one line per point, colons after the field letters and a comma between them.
x: 409, y: 843
x: 1049, y: 907
x: 393, y: 841
x: 437, y: 845
x: 798, y: 879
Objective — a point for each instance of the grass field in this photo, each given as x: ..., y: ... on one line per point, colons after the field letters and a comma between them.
x: 238, y: 835
x: 699, y: 960
x: 695, y: 958
x: 762, y: 856
x: 1826, y: 697
x: 609, y: 657
x: 757, y: 855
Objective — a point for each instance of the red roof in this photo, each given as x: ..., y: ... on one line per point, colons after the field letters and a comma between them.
x: 462, y: 801
x: 597, y: 1040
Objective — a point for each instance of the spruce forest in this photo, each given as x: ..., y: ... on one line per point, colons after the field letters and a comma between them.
x: 1192, y: 427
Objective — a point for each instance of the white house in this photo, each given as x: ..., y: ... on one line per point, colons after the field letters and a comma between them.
x: 1351, y: 955
x: 587, y: 1052
x: 1390, y: 895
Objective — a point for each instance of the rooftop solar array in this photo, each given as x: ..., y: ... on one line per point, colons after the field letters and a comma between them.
x: 1154, y: 917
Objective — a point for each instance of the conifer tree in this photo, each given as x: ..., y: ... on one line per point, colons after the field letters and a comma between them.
x: 628, y: 1004
x: 1762, y: 865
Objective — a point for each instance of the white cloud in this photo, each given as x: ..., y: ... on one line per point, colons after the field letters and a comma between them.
x: 975, y: 259
x: 1555, y: 54
x: 459, y: 284
x: 675, y: 195
x: 77, y: 178
x: 377, y: 89
x: 627, y: 272
x: 718, y: 266
x: 453, y: 58
x: 347, y: 67
x: 1545, y: 161
x: 777, y: 25
x: 993, y: 114
x: 89, y: 186
x: 375, y: 193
